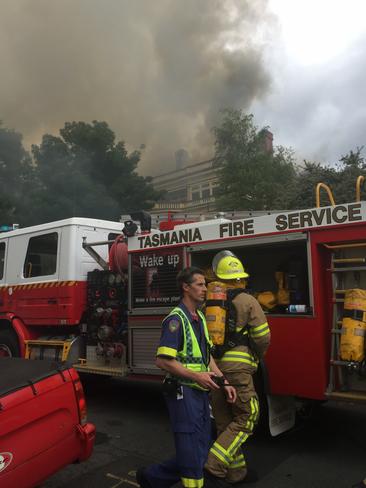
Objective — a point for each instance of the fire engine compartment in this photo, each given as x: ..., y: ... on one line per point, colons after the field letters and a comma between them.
x: 107, y: 314
x: 153, y: 291
x: 262, y: 261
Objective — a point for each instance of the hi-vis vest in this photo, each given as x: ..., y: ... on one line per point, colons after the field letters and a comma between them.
x: 191, y: 356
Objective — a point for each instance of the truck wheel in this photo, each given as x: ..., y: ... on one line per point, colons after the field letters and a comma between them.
x: 9, y: 346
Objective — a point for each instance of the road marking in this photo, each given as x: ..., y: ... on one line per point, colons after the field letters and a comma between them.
x: 121, y: 480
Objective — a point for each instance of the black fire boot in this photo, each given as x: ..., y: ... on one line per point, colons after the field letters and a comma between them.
x: 251, y: 477
x: 212, y: 481
x: 141, y: 478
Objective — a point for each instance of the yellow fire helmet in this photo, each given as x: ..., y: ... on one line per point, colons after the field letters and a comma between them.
x: 227, y: 266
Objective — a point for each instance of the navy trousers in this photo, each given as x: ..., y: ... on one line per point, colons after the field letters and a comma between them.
x: 191, y: 425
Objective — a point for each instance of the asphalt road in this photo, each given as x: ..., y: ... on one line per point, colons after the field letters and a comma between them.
x: 325, y: 450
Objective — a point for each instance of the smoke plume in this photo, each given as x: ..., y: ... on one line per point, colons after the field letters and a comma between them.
x: 158, y: 71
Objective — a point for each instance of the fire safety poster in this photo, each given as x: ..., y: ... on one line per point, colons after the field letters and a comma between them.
x: 154, y: 278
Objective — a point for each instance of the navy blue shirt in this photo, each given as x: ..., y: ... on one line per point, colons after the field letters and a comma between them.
x: 171, y: 340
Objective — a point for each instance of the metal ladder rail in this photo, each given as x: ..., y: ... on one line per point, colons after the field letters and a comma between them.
x: 335, y: 332
x: 336, y: 365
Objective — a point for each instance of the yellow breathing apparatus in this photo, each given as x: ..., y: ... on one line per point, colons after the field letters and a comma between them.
x: 216, y: 312
x: 353, y: 326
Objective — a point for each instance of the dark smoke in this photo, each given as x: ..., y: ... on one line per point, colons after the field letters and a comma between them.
x: 158, y: 71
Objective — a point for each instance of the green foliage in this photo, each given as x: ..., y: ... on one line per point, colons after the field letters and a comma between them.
x: 16, y: 177
x: 307, y: 178
x: 251, y: 176
x: 85, y: 173
x: 341, y: 180
x: 350, y: 167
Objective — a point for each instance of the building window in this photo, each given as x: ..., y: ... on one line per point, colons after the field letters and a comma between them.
x: 215, y: 190
x: 205, y: 190
x: 195, y: 192
x: 176, y: 195
x: 41, y: 257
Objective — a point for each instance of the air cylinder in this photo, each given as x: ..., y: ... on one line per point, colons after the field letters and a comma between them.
x: 216, y: 311
x: 353, y: 326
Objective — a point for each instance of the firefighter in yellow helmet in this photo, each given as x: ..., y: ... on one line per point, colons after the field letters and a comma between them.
x: 247, y: 337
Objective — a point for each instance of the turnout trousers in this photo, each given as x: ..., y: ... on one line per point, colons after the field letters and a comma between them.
x: 234, y: 423
x: 191, y: 424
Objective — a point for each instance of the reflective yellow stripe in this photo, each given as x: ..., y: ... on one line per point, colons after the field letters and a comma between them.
x: 252, y: 420
x: 167, y: 351
x: 253, y: 415
x: 239, y: 328
x: 241, y: 354
x: 234, y: 465
x: 238, y: 462
x: 239, y: 457
x: 256, y: 409
x: 237, y: 442
x: 192, y: 483
x: 265, y: 332
x: 242, y: 436
x: 239, y: 357
x: 221, y: 453
x: 258, y: 327
x: 260, y: 330
x: 238, y: 360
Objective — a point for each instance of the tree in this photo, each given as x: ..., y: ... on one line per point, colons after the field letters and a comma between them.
x: 350, y: 167
x: 16, y: 177
x: 84, y: 172
x: 307, y: 178
x: 341, y: 179
x: 251, y: 175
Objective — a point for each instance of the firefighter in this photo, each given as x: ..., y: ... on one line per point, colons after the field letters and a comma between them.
x: 184, y: 353
x: 246, y: 341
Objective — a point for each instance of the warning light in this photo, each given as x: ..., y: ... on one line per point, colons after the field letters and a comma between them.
x: 8, y: 228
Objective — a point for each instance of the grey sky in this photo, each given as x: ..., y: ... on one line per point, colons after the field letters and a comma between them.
x: 159, y: 72
x: 317, y: 66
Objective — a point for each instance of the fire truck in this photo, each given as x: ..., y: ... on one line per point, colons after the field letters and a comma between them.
x: 94, y: 292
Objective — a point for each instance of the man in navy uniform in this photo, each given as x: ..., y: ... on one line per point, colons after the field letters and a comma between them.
x: 184, y: 353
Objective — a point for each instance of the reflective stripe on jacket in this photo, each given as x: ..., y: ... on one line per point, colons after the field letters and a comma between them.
x: 247, y: 355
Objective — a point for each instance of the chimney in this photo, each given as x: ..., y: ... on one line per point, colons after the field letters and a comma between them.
x: 267, y: 141
x: 181, y: 158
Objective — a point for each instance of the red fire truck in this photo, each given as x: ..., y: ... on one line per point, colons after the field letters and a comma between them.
x: 91, y: 292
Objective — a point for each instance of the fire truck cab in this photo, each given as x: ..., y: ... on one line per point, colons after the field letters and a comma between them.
x: 43, y: 285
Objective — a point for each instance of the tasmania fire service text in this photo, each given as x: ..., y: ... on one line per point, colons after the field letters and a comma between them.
x: 169, y: 238
x: 265, y: 224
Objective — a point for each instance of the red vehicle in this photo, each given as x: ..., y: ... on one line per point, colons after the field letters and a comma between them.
x: 85, y: 290
x: 43, y: 423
